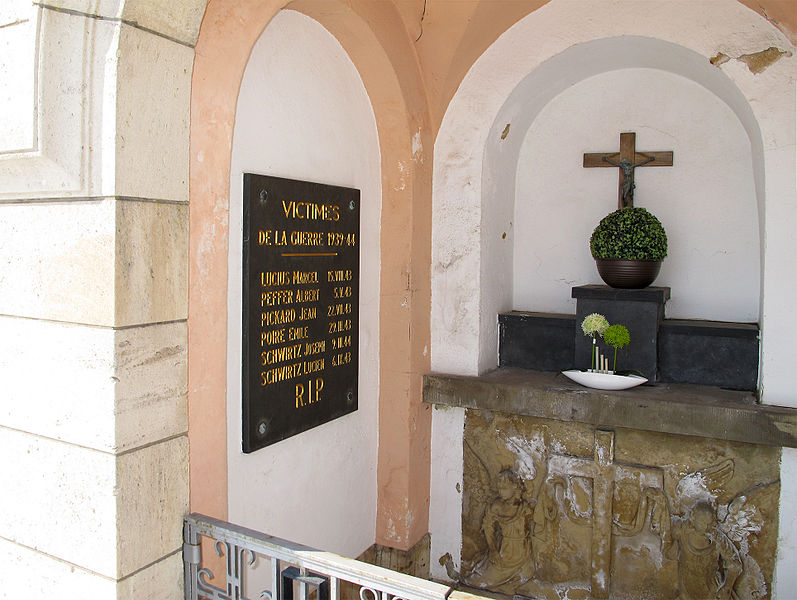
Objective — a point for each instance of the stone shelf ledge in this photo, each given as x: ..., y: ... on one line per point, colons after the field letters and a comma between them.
x: 668, y: 408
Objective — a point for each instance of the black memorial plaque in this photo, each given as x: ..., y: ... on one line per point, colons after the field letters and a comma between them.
x: 301, y: 279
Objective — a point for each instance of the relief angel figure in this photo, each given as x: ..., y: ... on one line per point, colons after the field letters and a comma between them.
x: 507, y: 526
x: 708, y: 562
x: 711, y: 541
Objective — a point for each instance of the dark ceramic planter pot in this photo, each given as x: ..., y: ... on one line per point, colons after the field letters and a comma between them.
x: 628, y: 274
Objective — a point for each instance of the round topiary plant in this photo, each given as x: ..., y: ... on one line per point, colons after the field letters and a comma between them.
x: 628, y: 246
x: 629, y: 233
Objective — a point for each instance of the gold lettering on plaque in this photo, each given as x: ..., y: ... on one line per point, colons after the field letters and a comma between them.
x: 311, y: 348
x: 342, y: 341
x: 310, y: 295
x: 313, y: 388
x: 339, y: 275
x: 277, y: 355
x: 341, y: 291
x: 278, y: 317
x: 311, y: 211
x: 297, y: 333
x: 276, y: 298
x: 339, y: 325
x: 338, y: 238
x: 312, y: 366
x: 270, y: 338
x: 304, y: 277
x: 278, y: 374
x: 307, y: 314
x: 334, y: 310
x: 340, y: 359
x: 280, y: 237
x: 307, y: 238
x: 275, y: 278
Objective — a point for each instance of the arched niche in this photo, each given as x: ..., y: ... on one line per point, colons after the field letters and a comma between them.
x: 476, y: 157
x: 560, y: 46
x: 581, y: 99
x: 229, y: 31
x: 303, y: 113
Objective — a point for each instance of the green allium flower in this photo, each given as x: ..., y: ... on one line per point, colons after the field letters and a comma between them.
x: 617, y: 336
x: 594, y: 323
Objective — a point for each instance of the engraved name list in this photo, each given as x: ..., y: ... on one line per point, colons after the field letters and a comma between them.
x: 300, y: 306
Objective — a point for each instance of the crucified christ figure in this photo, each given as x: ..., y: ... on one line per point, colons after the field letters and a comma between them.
x: 628, y: 177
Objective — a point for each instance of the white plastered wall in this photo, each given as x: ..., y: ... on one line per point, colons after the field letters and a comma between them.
x: 303, y: 113
x: 560, y: 45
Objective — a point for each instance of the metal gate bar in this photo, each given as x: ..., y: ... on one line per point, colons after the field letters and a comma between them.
x: 312, y: 569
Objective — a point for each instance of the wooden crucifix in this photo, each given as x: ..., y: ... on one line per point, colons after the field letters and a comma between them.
x: 627, y: 160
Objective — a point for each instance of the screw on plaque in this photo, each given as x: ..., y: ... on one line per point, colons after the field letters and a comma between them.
x: 263, y: 196
x: 349, y: 397
x: 352, y: 205
x: 262, y: 428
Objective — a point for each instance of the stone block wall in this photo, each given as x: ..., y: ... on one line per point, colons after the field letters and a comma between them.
x: 93, y: 298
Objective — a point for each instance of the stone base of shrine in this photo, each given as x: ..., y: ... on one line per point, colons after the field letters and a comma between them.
x: 662, y: 492
x: 414, y: 561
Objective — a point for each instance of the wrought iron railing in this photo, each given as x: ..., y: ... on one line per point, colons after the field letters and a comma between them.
x: 295, y: 570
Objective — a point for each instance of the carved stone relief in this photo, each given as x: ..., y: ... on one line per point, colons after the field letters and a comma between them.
x: 554, y: 509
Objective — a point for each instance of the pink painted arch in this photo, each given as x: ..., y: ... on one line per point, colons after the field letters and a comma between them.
x: 374, y: 37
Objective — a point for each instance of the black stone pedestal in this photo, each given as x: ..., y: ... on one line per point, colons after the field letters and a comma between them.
x: 641, y: 311
x: 709, y: 353
x: 537, y: 341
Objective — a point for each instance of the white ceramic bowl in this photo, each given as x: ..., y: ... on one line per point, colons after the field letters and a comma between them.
x: 604, y: 381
